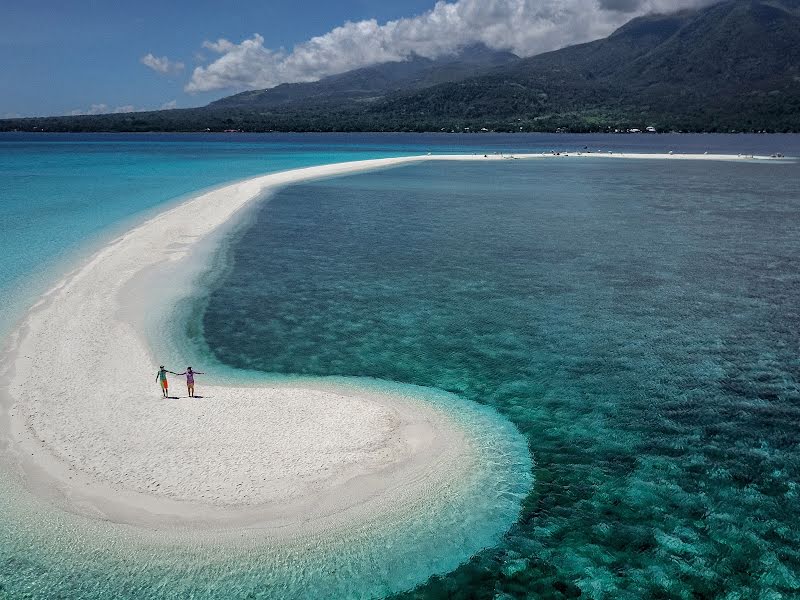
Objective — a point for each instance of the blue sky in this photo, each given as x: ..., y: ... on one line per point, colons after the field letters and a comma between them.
x: 58, y: 57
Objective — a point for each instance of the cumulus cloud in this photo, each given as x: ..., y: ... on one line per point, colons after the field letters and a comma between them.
x: 104, y: 109
x: 525, y: 27
x: 94, y: 109
x: 161, y: 64
x: 169, y: 105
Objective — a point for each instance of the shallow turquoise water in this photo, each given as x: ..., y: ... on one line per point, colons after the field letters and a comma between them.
x: 46, y: 553
x: 637, y: 321
x: 62, y: 195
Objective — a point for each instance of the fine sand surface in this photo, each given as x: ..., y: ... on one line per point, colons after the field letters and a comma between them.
x: 90, y: 432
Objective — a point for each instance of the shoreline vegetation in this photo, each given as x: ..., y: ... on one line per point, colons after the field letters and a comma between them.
x: 728, y: 67
x: 200, y: 120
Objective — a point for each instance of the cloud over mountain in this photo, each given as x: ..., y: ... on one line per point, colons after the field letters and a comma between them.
x: 103, y: 109
x: 161, y: 64
x: 525, y: 27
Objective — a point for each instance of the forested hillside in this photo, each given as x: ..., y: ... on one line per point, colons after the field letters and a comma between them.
x: 732, y: 66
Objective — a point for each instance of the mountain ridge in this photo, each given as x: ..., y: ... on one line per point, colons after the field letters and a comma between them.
x: 734, y: 65
x: 367, y: 82
x: 716, y: 68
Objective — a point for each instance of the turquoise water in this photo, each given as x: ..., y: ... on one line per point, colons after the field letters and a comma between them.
x: 636, y: 321
x: 62, y: 195
x: 46, y: 553
x: 59, y: 193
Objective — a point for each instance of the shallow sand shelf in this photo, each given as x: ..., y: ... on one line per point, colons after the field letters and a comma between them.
x: 308, y: 467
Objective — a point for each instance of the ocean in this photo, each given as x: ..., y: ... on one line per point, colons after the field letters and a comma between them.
x: 637, y: 321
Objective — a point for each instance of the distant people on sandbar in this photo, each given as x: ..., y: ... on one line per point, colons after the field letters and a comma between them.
x: 190, y: 379
x: 161, y: 377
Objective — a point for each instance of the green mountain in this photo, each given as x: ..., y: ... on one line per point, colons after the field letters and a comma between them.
x: 370, y: 83
x: 734, y: 65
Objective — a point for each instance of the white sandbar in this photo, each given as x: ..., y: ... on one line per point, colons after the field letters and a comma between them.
x: 89, y: 429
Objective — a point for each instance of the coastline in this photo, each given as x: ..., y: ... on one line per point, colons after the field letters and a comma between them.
x: 194, y: 220
x: 397, y: 490
x: 84, y: 455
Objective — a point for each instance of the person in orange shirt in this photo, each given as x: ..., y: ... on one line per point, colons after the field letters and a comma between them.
x: 161, y: 376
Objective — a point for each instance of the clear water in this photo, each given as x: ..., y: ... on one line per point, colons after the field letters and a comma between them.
x: 45, y: 553
x: 61, y: 195
x: 636, y: 321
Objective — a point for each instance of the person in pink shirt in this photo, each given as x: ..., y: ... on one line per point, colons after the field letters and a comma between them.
x: 190, y: 379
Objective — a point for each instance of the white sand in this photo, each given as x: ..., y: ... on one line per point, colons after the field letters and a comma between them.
x: 90, y: 430
x: 625, y: 155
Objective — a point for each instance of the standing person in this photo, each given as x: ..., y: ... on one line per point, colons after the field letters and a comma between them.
x: 161, y: 376
x: 190, y: 379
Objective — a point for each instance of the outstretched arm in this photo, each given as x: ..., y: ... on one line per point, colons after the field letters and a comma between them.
x: 179, y: 374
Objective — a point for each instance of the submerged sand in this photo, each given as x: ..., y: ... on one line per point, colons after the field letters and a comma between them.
x: 89, y: 430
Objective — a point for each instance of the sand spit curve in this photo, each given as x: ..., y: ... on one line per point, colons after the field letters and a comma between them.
x: 89, y: 430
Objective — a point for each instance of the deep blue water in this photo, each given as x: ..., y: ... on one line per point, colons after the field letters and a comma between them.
x: 637, y: 322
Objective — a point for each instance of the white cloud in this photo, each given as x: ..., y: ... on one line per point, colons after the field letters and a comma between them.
x: 525, y: 27
x: 161, y: 64
x: 169, y: 105
x: 104, y: 109
x: 220, y: 46
x: 94, y: 109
